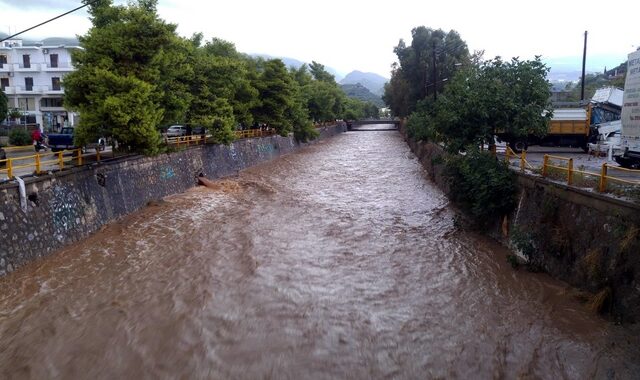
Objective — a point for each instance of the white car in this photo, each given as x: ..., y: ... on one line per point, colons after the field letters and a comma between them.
x: 176, y: 131
x: 603, y: 145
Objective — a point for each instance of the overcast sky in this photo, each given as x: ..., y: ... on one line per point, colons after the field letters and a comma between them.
x: 360, y: 35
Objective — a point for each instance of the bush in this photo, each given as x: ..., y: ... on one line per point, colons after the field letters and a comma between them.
x: 481, y: 185
x: 418, y: 126
x: 19, y: 137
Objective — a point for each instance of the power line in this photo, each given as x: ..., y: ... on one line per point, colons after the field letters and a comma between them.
x: 48, y: 21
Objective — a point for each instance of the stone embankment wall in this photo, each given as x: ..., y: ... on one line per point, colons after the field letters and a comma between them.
x: 67, y: 206
x: 589, y: 240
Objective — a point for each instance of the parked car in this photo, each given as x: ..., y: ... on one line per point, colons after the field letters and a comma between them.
x: 62, y: 140
x: 65, y: 141
x: 177, y: 131
x: 198, y: 130
x: 603, y: 144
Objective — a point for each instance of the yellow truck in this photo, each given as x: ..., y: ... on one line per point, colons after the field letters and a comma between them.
x: 568, y: 127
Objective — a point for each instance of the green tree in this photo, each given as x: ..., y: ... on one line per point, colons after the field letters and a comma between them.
x: 511, y: 97
x: 481, y: 185
x: 354, y: 109
x: 129, y: 52
x: 397, y: 93
x: 4, y: 105
x: 320, y: 74
x: 121, y: 107
x: 432, y: 57
x: 276, y: 89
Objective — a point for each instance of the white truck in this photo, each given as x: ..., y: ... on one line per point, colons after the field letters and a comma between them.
x: 630, y: 140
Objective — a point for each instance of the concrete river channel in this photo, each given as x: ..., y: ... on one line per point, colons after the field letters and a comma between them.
x: 339, y: 261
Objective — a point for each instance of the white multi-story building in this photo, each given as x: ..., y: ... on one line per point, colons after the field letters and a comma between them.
x: 32, y: 77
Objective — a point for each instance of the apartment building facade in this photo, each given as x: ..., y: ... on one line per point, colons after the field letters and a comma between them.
x: 32, y: 78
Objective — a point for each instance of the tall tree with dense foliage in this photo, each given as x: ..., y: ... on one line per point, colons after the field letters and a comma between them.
x: 511, y: 97
x: 222, y: 93
x: 423, y: 67
x: 276, y: 89
x: 132, y: 75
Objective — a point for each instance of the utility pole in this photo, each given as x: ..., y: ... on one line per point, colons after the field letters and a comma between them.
x: 435, y: 74
x: 584, y: 61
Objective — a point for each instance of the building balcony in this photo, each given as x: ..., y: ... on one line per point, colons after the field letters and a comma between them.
x: 19, y: 67
x: 62, y: 67
x: 35, y: 90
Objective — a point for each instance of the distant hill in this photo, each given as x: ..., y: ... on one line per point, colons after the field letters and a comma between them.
x: 358, y: 91
x: 292, y: 62
x: 374, y: 82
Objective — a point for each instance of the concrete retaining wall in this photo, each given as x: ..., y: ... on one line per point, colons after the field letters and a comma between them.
x: 66, y: 207
x: 589, y: 240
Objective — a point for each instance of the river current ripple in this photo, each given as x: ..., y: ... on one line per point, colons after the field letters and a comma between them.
x: 339, y: 261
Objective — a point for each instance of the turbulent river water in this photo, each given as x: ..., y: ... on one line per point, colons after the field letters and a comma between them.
x: 339, y: 261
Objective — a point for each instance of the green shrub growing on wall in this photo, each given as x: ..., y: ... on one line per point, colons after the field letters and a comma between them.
x: 418, y: 126
x: 481, y: 185
x: 19, y: 137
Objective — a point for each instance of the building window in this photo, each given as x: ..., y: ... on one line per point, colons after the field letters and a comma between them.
x: 28, y: 84
x: 4, y: 82
x: 3, y: 60
x: 51, y: 103
x: 27, y: 104
x: 54, y: 60
x: 26, y: 61
x: 55, y: 84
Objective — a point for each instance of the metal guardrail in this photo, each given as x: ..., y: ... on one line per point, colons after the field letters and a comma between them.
x: 249, y: 133
x: 186, y: 140
x: 40, y: 160
x: 550, y: 162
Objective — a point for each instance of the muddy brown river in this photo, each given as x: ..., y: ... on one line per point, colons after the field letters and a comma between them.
x: 340, y: 261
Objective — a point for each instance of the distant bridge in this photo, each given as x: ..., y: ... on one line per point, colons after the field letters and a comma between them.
x: 357, y: 125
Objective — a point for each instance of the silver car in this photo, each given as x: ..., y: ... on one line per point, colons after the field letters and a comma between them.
x: 177, y: 131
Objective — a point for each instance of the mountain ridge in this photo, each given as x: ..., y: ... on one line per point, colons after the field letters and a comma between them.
x: 372, y: 81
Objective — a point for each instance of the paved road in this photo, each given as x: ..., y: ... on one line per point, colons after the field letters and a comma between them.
x: 581, y: 161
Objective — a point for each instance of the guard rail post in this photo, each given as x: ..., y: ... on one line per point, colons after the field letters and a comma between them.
x: 38, y: 166
x: 60, y: 160
x: 544, y: 165
x: 507, y: 155
x: 603, y: 178
x: 570, y: 172
x: 10, y: 168
x: 79, y: 156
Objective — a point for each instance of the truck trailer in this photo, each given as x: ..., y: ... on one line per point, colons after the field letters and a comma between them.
x: 567, y: 127
x: 630, y: 140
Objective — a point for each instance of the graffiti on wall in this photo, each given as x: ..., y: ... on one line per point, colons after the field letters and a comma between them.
x: 167, y: 172
x: 66, y: 209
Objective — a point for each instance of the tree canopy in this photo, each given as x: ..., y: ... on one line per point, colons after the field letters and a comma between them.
x: 423, y: 67
x: 135, y: 75
x: 511, y: 97
x: 477, y: 97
